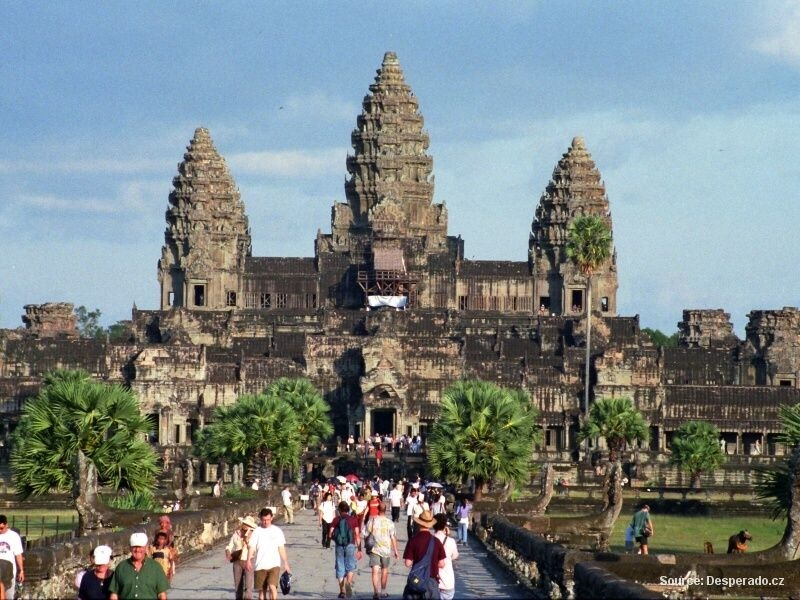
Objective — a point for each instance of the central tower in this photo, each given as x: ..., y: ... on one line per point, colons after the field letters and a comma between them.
x: 389, y: 226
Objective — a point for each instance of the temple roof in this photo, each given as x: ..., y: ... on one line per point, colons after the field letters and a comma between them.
x: 575, y: 188
x: 389, y: 144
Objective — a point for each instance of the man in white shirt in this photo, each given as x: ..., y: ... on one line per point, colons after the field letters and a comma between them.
x: 267, y: 549
x: 286, y: 497
x: 412, y: 510
x: 396, y: 501
x: 12, y: 568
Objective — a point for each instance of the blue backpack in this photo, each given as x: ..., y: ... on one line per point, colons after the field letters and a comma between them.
x: 343, y: 534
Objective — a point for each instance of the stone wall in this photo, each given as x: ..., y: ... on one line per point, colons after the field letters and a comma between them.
x: 51, y: 571
x: 549, y: 569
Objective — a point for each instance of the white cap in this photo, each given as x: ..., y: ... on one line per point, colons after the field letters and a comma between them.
x: 102, y: 555
x: 139, y: 539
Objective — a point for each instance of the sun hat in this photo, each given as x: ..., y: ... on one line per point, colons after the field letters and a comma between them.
x: 425, y: 519
x: 249, y: 521
x: 139, y: 539
x: 102, y: 555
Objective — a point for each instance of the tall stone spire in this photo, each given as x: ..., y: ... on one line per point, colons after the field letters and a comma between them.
x: 207, y: 237
x: 390, y: 146
x: 390, y: 186
x: 575, y: 189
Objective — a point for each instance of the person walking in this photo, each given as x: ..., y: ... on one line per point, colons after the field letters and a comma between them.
x: 345, y: 534
x: 643, y: 528
x: 412, y: 510
x: 462, y: 514
x: 384, y: 536
x: 396, y: 501
x: 95, y: 581
x: 286, y: 498
x: 236, y: 553
x: 12, y: 561
x: 447, y: 575
x: 424, y: 547
x: 138, y: 576
x: 163, y: 554
x: 327, y: 512
x: 266, y: 552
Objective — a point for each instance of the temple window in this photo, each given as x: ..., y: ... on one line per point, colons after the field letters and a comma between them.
x: 462, y: 303
x: 577, y: 301
x: 199, y: 295
x: 604, y: 304
x: 280, y: 301
x: 311, y: 301
x: 170, y: 298
x: 265, y: 301
x: 230, y: 298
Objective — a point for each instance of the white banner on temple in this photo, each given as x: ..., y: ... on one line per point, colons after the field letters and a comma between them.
x: 395, y: 301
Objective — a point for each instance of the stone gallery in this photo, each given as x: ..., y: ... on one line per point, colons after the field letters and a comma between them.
x: 389, y: 312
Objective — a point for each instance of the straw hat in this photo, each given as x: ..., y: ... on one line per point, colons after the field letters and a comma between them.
x: 425, y: 519
x: 248, y: 521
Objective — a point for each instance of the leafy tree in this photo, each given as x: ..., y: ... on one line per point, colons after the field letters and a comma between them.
x: 616, y: 420
x: 312, y: 411
x: 485, y: 432
x: 259, y: 430
x: 119, y: 331
x: 88, y: 322
x: 661, y: 339
x: 774, y: 484
x: 79, y: 433
x: 588, y: 246
x: 696, y: 450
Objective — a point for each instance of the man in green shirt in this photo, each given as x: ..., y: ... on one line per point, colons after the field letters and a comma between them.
x: 138, y: 577
x: 642, y: 528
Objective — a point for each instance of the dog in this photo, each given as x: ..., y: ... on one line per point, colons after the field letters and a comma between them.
x: 737, y: 543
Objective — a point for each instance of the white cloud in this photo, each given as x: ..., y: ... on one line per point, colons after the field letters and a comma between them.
x: 290, y: 163
x: 105, y: 166
x: 781, y: 37
x: 318, y: 106
x: 129, y: 197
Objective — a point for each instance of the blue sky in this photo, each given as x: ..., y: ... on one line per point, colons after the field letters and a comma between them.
x: 691, y: 111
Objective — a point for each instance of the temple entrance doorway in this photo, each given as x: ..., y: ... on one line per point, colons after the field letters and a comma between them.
x: 383, y: 420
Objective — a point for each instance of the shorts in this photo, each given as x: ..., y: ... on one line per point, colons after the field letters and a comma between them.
x: 345, y: 560
x: 267, y: 577
x: 641, y: 539
x: 376, y: 560
x: 6, y: 573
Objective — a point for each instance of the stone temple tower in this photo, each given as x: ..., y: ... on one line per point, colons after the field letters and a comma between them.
x: 389, y: 223
x: 575, y: 189
x: 207, y: 238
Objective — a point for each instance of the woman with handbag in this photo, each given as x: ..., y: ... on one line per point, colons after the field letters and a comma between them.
x: 236, y: 554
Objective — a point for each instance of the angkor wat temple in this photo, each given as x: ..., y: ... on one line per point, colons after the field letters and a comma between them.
x: 388, y: 312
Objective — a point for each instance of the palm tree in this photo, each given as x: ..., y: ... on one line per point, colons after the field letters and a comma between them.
x: 312, y: 411
x: 695, y: 449
x: 588, y: 246
x: 485, y: 432
x: 79, y: 433
x: 774, y: 483
x: 259, y: 430
x: 780, y: 485
x: 616, y: 420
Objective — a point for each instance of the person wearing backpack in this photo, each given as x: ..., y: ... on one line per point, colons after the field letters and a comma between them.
x: 425, y: 555
x: 345, y: 533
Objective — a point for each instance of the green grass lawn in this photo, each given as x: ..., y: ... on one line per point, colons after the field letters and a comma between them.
x: 676, y: 534
x: 36, y: 523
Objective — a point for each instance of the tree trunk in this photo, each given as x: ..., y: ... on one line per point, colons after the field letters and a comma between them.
x: 84, y: 493
x: 790, y: 544
x: 588, y: 344
x: 479, y: 484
